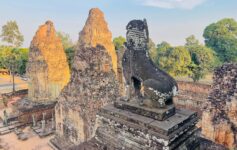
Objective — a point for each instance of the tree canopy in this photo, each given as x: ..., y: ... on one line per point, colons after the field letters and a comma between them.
x: 222, y: 38
x: 203, y: 58
x: 174, y: 60
x: 14, y: 59
x: 119, y: 42
x: 152, y: 50
x: 68, y: 46
x: 11, y: 34
x: 66, y: 40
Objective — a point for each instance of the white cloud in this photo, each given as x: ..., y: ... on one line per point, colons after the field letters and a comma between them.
x: 183, y: 4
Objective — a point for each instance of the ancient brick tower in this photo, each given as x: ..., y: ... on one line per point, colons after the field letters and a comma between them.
x: 93, y: 84
x: 47, y: 68
x: 96, y: 32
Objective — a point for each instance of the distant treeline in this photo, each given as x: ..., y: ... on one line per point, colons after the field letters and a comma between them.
x: 194, y: 59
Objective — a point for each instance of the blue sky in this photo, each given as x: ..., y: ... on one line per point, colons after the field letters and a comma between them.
x: 168, y: 20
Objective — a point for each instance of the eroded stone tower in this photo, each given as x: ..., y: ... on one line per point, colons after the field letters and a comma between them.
x: 93, y: 84
x: 47, y: 68
x: 96, y: 32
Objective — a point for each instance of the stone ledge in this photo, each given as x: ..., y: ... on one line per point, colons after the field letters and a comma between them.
x: 167, y: 129
x: 154, y: 113
x: 118, y: 133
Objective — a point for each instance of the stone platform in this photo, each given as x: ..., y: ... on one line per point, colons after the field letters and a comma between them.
x: 25, y: 108
x: 157, y: 114
x: 125, y: 129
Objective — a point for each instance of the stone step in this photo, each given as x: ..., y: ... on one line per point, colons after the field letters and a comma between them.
x: 154, y: 113
x: 61, y: 143
x: 166, y: 127
x: 52, y: 146
x: 46, y: 133
x: 8, y: 129
x: 5, y: 132
x: 131, y: 129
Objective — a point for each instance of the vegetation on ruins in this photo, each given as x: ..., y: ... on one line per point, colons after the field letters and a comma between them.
x: 222, y: 38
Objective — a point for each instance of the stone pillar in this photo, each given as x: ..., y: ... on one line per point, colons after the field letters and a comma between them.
x: 53, y: 125
x: 5, y: 118
x: 43, y: 122
x: 33, y: 120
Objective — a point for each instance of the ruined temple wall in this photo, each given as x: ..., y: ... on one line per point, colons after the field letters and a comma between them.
x: 69, y: 124
x: 194, y: 87
x: 26, y: 117
x: 192, y: 95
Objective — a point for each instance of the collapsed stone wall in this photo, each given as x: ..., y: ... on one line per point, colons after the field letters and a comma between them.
x: 47, y: 68
x: 219, y: 120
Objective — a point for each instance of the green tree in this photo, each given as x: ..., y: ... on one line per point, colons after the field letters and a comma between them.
x: 11, y: 34
x: 119, y: 42
x: 10, y: 59
x: 162, y: 54
x: 70, y: 52
x: 222, y: 38
x: 66, y: 40
x: 23, y: 60
x: 174, y: 60
x: 178, y: 61
x: 68, y: 46
x: 152, y: 50
x: 203, y: 58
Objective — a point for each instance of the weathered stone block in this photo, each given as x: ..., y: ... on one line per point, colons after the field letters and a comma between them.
x: 157, y: 114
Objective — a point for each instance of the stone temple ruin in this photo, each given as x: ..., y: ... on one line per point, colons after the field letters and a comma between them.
x: 48, y: 73
x: 93, y: 85
x: 89, y: 112
x: 47, y: 68
x: 96, y: 32
x: 147, y: 118
x: 219, y: 120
